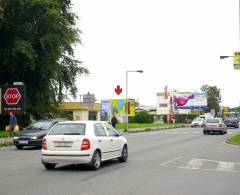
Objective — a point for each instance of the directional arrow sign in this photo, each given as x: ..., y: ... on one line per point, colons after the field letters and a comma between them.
x: 118, y: 90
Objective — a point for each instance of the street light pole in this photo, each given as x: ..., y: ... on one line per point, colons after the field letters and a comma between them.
x: 126, y: 108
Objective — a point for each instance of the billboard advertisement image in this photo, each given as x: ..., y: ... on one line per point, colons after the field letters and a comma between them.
x: 190, y: 100
x: 117, y: 107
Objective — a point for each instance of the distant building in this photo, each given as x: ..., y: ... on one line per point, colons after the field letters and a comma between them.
x: 163, y: 104
x: 149, y: 109
x: 79, y: 111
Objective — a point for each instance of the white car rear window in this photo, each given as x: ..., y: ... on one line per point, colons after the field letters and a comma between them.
x: 68, y: 129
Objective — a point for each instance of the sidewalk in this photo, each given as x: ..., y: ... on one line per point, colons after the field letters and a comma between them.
x: 6, y: 140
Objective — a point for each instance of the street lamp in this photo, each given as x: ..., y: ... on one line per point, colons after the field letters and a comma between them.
x: 223, y: 57
x: 126, y: 109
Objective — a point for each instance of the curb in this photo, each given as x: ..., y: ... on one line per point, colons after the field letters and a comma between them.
x: 6, y: 142
x: 157, y: 128
x: 229, y: 143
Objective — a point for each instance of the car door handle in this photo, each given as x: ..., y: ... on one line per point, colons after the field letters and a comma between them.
x: 99, y: 140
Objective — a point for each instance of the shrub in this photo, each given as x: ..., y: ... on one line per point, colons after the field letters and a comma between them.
x: 141, y: 117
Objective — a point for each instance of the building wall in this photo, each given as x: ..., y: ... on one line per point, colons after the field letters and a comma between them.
x: 163, y: 105
x: 83, y: 115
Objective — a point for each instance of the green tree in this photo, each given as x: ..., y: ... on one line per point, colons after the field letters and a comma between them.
x: 36, y: 48
x: 213, y: 97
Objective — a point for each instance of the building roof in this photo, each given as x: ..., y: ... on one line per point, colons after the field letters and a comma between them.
x: 67, y: 106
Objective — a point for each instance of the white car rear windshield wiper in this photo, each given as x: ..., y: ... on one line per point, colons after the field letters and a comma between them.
x: 72, y: 134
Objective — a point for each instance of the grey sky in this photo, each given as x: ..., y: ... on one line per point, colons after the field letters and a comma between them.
x: 176, y: 43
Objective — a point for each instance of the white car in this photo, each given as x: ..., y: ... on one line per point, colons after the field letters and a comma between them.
x: 197, y: 122
x: 83, y: 142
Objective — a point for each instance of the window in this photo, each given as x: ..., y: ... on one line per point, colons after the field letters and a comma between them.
x: 68, y: 129
x: 111, y: 131
x: 163, y: 105
x: 99, y: 130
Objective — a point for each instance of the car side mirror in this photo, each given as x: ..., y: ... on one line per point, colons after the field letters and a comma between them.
x: 119, y: 134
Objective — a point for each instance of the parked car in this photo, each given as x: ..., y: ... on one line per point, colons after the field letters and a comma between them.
x: 231, y: 122
x: 214, y: 125
x: 83, y: 142
x: 197, y: 122
x: 33, y: 134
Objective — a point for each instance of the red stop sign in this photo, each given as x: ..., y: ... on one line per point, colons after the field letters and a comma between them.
x: 12, y: 96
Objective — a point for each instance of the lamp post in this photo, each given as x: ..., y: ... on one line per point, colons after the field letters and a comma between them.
x: 126, y: 109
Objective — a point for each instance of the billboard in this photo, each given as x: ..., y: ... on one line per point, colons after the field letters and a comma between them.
x: 117, y: 107
x: 186, y: 100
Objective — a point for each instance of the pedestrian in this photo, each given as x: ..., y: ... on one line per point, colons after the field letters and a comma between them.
x: 114, y: 121
x: 12, y: 123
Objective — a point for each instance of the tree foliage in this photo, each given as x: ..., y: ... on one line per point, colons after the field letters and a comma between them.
x: 36, y: 48
x: 213, y: 97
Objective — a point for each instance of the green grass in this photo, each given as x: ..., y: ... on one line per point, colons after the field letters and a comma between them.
x: 144, y: 125
x: 234, y: 140
x: 4, y: 134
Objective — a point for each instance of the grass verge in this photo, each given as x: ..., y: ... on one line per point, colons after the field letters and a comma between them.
x: 4, y: 134
x: 234, y: 140
x: 144, y: 125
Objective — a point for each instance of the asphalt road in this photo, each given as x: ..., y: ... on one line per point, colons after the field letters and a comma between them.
x: 177, y: 161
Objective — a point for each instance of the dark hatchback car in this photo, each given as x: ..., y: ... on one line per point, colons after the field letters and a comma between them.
x: 231, y: 122
x: 33, y: 134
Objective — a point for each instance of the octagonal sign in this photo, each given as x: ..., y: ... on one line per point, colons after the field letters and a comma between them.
x: 12, y: 96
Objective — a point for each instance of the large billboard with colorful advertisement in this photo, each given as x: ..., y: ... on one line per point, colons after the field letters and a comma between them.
x: 117, y: 107
x: 186, y: 100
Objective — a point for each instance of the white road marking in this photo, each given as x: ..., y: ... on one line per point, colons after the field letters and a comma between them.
x: 165, y: 163
x: 199, y: 164
x: 225, y: 166
x: 194, y: 164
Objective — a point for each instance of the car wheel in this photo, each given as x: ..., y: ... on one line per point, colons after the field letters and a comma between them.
x: 19, y: 147
x: 49, y: 165
x: 124, y: 155
x: 96, y: 160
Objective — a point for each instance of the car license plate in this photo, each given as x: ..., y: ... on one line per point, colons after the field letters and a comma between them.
x: 23, y: 142
x: 63, y: 144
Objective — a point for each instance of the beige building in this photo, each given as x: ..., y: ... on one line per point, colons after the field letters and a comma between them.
x: 79, y: 111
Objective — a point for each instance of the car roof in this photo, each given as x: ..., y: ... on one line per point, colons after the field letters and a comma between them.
x: 82, y: 121
x: 53, y: 119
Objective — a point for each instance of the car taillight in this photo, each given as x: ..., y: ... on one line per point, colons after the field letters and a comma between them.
x: 85, y: 144
x: 44, y: 144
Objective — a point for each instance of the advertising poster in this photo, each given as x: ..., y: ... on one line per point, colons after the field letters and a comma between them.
x: 105, y: 108
x: 190, y: 100
x: 117, y: 107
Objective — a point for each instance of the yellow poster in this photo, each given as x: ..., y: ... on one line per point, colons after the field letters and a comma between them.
x: 118, y: 107
x: 236, y: 59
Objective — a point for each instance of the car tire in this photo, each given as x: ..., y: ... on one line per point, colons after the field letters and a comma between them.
x: 96, y: 160
x: 19, y: 147
x: 124, y: 155
x: 49, y: 166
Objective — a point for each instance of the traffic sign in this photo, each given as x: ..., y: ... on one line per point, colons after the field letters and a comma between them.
x: 13, y: 99
x: 12, y: 96
x: 236, y: 60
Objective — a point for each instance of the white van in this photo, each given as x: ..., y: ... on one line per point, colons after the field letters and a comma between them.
x: 206, y: 116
